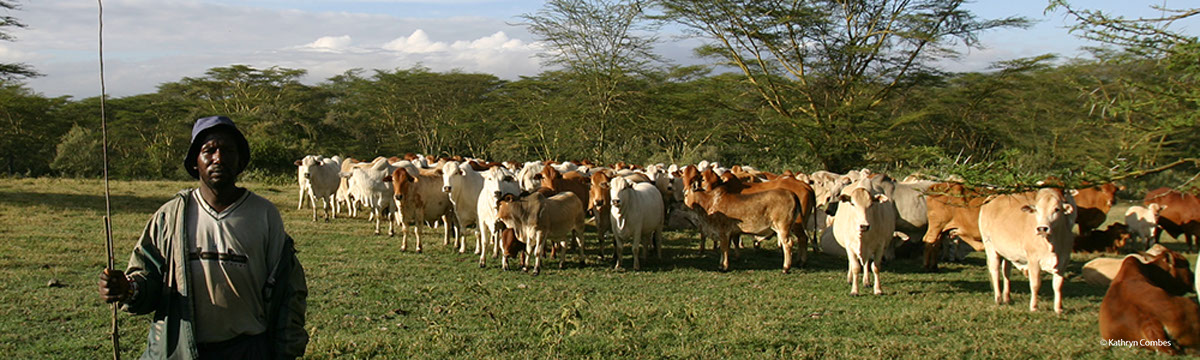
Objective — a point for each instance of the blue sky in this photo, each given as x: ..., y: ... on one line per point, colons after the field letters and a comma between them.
x: 149, y: 42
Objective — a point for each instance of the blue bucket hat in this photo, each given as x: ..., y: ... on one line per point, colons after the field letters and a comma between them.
x: 209, y: 124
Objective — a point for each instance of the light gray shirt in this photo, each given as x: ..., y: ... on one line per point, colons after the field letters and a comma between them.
x: 229, y: 256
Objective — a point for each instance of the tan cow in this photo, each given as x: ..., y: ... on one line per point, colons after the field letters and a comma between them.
x: 724, y: 214
x: 863, y: 225
x: 1032, y: 231
x: 541, y: 220
x: 1100, y: 271
x: 951, y: 209
x: 420, y: 199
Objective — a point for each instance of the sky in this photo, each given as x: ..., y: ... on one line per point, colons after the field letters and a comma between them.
x: 150, y: 42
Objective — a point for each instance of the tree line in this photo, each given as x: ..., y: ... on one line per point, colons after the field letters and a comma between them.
x: 792, y: 85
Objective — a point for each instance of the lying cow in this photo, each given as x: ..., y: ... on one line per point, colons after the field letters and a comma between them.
x: 1032, y: 231
x: 1111, y: 239
x: 1147, y: 305
x: 1100, y: 271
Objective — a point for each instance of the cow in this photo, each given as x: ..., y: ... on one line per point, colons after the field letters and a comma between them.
x: 1031, y: 230
x: 554, y: 181
x: 1100, y: 271
x: 637, y: 211
x: 497, y: 182
x: 725, y: 214
x: 1143, y: 221
x: 344, y: 199
x: 803, y: 193
x: 912, y: 211
x: 302, y: 180
x: 420, y: 199
x: 323, y: 179
x: 512, y: 247
x: 863, y: 225
x: 541, y: 221
x: 1179, y: 214
x: 527, y: 178
x: 600, y: 205
x: 1111, y: 239
x: 1147, y: 305
x: 1094, y: 203
x: 367, y: 184
x: 463, y: 183
x: 951, y: 209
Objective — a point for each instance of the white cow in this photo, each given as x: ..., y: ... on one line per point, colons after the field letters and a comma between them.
x: 637, y: 211
x: 464, y: 184
x: 497, y: 182
x: 1032, y: 231
x: 302, y: 179
x: 863, y: 225
x: 323, y: 179
x: 1143, y: 221
x: 528, y: 178
x: 366, y: 183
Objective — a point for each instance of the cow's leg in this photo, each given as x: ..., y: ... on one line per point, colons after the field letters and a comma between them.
x: 702, y: 241
x: 417, y: 231
x: 539, y: 251
x: 855, y: 269
x: 636, y: 243
x: 658, y: 238
x: 404, y: 234
x: 993, y: 264
x: 504, y: 260
x: 724, y: 242
x: 332, y: 214
x: 1058, y: 283
x: 312, y: 202
x: 875, y: 273
x: 618, y: 247
x: 933, y: 244
x: 481, y: 243
x: 301, y: 205
x: 785, y: 242
x: 373, y: 212
x: 1035, y: 284
x: 579, y: 242
x: 1151, y: 328
x: 802, y: 245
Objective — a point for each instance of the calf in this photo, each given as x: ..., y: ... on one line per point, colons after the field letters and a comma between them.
x: 637, y: 211
x: 420, y: 199
x: 1147, y: 305
x: 1032, y: 231
x: 512, y: 247
x: 863, y: 225
x: 724, y: 214
x: 1112, y: 239
x: 541, y: 220
x: 1143, y: 221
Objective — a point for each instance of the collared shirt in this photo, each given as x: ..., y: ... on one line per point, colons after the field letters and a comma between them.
x: 228, y: 260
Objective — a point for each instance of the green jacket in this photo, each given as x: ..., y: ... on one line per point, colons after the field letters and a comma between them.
x: 159, y: 265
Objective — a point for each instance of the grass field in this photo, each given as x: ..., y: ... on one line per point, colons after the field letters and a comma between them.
x: 369, y: 300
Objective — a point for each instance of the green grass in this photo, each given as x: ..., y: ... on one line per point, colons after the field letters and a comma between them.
x: 369, y: 300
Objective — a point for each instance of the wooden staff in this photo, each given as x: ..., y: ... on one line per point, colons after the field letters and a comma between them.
x: 108, y: 238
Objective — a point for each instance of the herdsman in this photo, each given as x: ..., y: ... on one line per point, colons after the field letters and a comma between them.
x: 214, y: 264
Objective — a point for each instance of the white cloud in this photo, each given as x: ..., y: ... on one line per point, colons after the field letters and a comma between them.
x: 417, y: 43
x: 329, y: 44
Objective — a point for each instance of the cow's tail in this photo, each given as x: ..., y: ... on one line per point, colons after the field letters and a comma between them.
x: 797, y: 208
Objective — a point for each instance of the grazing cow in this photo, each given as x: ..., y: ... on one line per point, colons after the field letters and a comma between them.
x: 637, y: 211
x: 1100, y: 271
x: 1147, y: 305
x: 863, y: 225
x: 1143, y: 221
x: 952, y: 209
x: 1112, y: 239
x: 497, y: 182
x: 323, y: 179
x: 541, y: 221
x: 1179, y: 214
x: 725, y: 214
x: 1094, y: 203
x: 420, y: 199
x: 463, y: 183
x: 1032, y: 231
x: 511, y: 246
x: 367, y: 184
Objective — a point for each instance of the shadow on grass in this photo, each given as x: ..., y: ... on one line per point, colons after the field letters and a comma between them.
x: 120, y: 203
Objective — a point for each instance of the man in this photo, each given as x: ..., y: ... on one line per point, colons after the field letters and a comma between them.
x: 215, y: 265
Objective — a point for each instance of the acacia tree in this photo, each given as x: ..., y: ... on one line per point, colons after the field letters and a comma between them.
x: 1151, y: 88
x: 12, y: 71
x: 828, y: 66
x: 602, y: 44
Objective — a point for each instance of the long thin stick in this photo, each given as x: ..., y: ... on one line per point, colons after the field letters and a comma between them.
x: 108, y: 238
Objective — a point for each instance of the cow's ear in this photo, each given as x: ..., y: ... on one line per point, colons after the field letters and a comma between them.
x: 881, y: 198
x: 438, y: 172
x: 387, y: 178
x: 298, y: 162
x: 537, y: 176
x: 1068, y: 209
x: 844, y: 198
x: 1073, y: 192
x: 1028, y: 209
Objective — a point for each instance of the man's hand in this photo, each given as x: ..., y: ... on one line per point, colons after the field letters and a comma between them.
x: 114, y: 286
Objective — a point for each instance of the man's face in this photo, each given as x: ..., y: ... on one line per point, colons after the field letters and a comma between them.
x: 218, y: 160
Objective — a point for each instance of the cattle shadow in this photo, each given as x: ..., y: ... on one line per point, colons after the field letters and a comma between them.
x: 121, y: 204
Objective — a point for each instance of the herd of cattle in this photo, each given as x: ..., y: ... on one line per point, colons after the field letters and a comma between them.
x: 525, y: 210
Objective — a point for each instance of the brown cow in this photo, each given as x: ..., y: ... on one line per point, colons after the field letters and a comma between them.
x: 512, y: 247
x: 1146, y: 305
x: 1180, y: 213
x: 1094, y: 203
x: 802, y: 191
x: 541, y: 221
x: 724, y: 214
x: 420, y: 199
x: 953, y: 209
x: 600, y: 204
x: 554, y: 182
x: 1111, y: 240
